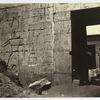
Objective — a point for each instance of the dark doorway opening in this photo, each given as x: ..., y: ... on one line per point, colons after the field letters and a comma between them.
x: 91, y: 56
x: 80, y: 58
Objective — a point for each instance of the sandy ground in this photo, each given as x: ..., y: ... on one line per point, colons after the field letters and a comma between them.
x: 10, y: 89
x: 67, y: 91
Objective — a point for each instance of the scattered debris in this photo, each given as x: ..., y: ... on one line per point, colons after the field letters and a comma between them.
x: 3, y: 66
x: 8, y: 88
x: 40, y: 85
x: 13, y: 77
x: 9, y: 72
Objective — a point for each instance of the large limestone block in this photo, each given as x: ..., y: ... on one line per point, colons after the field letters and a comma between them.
x: 42, y: 25
x: 62, y: 78
x: 62, y: 42
x: 60, y: 16
x: 66, y: 7
x: 62, y: 62
x: 62, y: 27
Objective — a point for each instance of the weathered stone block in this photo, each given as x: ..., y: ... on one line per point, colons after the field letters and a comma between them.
x: 14, y: 48
x: 41, y: 18
x: 40, y: 53
x: 47, y: 60
x: 26, y: 37
x: 14, y: 25
x: 20, y: 59
x: 15, y: 42
x: 62, y: 27
x: 48, y: 53
x: 32, y: 60
x: 62, y: 42
x: 49, y: 17
x: 89, y: 5
x: 62, y: 16
x: 7, y: 47
x: 41, y: 5
x: 29, y: 7
x: 13, y: 16
x: 6, y: 57
x: 48, y: 46
x: 14, y: 59
x: 26, y: 47
x: 21, y: 48
x: 38, y: 12
x: 44, y: 49
x: 66, y: 7
x: 28, y: 76
x: 41, y: 25
x: 62, y: 78
x: 36, y: 33
x: 40, y: 38
x: 35, y: 19
x: 48, y: 10
x: 25, y: 75
x: 46, y: 5
x: 47, y: 69
x: 0, y: 28
x: 6, y: 27
x: 62, y: 62
x: 48, y: 38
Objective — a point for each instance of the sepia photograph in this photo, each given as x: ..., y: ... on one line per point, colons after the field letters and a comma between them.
x: 49, y: 50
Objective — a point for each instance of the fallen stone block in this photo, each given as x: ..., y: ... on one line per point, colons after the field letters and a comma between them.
x: 40, y: 85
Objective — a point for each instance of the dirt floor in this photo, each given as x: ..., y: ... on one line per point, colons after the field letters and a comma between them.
x: 66, y: 91
x: 10, y: 89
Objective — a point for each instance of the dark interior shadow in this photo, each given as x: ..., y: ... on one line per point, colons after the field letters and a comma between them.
x: 79, y: 20
x: 95, y: 81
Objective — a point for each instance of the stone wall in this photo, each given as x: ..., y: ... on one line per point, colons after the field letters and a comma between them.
x: 37, y: 39
x: 62, y: 40
x: 26, y: 40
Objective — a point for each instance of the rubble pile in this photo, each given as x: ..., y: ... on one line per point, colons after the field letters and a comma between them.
x: 10, y: 85
x: 8, y: 88
x: 40, y: 85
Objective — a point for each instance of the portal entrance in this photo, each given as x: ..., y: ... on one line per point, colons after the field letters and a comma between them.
x: 91, y: 57
x: 82, y: 54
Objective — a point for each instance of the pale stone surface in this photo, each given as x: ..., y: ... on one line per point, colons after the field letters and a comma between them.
x: 45, y: 39
x: 60, y: 16
x: 64, y: 78
x: 62, y: 27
